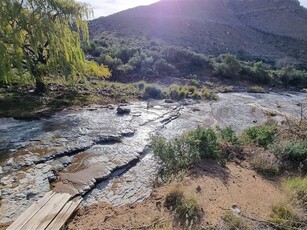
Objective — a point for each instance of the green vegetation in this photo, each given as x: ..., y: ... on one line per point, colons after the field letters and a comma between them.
x: 294, y: 150
x: 135, y: 57
x: 178, y: 154
x: 291, y: 214
x: 287, y: 217
x: 256, y: 89
x: 297, y: 187
x: 227, y: 66
x: 187, y: 211
x: 289, y: 76
x: 154, y: 92
x: 42, y: 37
x: 265, y: 165
x: 262, y: 135
x: 207, y: 94
x: 235, y: 222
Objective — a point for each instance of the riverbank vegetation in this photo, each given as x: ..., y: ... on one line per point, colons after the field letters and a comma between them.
x: 134, y: 59
x: 277, y: 152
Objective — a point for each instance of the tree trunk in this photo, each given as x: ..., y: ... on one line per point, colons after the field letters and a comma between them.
x: 40, y: 86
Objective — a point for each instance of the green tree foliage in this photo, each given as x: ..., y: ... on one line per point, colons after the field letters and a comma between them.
x: 227, y: 66
x: 257, y: 73
x: 289, y: 76
x: 40, y: 37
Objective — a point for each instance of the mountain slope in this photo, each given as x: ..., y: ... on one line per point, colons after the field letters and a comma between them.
x: 269, y: 29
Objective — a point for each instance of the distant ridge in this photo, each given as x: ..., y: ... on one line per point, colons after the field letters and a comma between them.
x: 267, y: 29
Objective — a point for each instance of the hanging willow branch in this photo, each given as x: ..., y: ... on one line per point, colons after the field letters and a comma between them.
x: 44, y: 37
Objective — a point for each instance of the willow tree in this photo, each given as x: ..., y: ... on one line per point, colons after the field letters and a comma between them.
x: 43, y: 37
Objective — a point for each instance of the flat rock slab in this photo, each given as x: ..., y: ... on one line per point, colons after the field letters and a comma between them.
x: 100, y: 154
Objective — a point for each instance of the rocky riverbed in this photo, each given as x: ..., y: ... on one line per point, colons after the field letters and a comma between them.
x: 104, y: 156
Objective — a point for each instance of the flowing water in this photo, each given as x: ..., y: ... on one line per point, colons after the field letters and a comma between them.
x: 106, y: 157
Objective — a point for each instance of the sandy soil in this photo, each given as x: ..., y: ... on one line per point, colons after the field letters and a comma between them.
x: 216, y: 190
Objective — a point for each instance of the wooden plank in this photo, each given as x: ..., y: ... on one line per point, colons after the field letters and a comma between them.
x: 64, y: 214
x: 30, y: 212
x: 48, y: 212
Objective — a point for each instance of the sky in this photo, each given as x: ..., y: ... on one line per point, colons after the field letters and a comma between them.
x: 107, y: 7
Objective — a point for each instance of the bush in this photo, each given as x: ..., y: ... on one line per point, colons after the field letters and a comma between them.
x: 289, y: 76
x: 208, y: 95
x: 297, y: 186
x: 179, y: 92
x: 187, y: 211
x: 262, y: 135
x: 229, y: 144
x: 257, y: 73
x: 141, y: 85
x: 177, y: 154
x: 228, y: 135
x: 227, y: 66
x: 256, y: 89
x: 153, y: 92
x: 234, y: 222
x: 225, y: 89
x: 204, y: 142
x: 286, y: 216
x: 295, y: 150
x: 265, y: 165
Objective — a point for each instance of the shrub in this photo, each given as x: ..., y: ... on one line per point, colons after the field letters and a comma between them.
x: 229, y: 135
x: 153, y: 92
x: 194, y: 83
x: 256, y: 89
x: 286, y: 216
x: 234, y: 222
x: 265, y: 165
x: 229, y: 144
x: 258, y: 74
x: 187, y: 211
x: 289, y: 76
x: 178, y: 92
x: 140, y: 85
x: 296, y: 151
x: 204, y: 141
x: 173, y: 199
x: 227, y: 66
x: 177, y: 154
x: 262, y: 135
x: 225, y: 89
x: 206, y: 94
x: 297, y: 187
x: 163, y: 68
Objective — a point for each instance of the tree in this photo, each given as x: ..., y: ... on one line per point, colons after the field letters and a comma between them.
x: 43, y: 37
x: 227, y: 66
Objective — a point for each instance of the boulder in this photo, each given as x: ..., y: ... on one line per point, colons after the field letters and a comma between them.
x: 123, y: 111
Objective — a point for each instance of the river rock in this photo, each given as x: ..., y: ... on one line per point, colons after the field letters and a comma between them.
x: 122, y: 111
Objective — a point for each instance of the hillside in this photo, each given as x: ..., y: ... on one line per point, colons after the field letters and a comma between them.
x: 266, y: 29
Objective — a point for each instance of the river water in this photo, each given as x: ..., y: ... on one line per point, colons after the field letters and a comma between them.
x: 103, y: 156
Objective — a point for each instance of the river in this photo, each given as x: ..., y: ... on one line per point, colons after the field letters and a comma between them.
x: 103, y: 156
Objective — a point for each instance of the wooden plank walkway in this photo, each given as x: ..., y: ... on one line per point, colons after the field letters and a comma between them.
x: 50, y: 212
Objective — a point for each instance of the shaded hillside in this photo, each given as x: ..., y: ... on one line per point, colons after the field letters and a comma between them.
x: 264, y: 29
x: 282, y: 17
